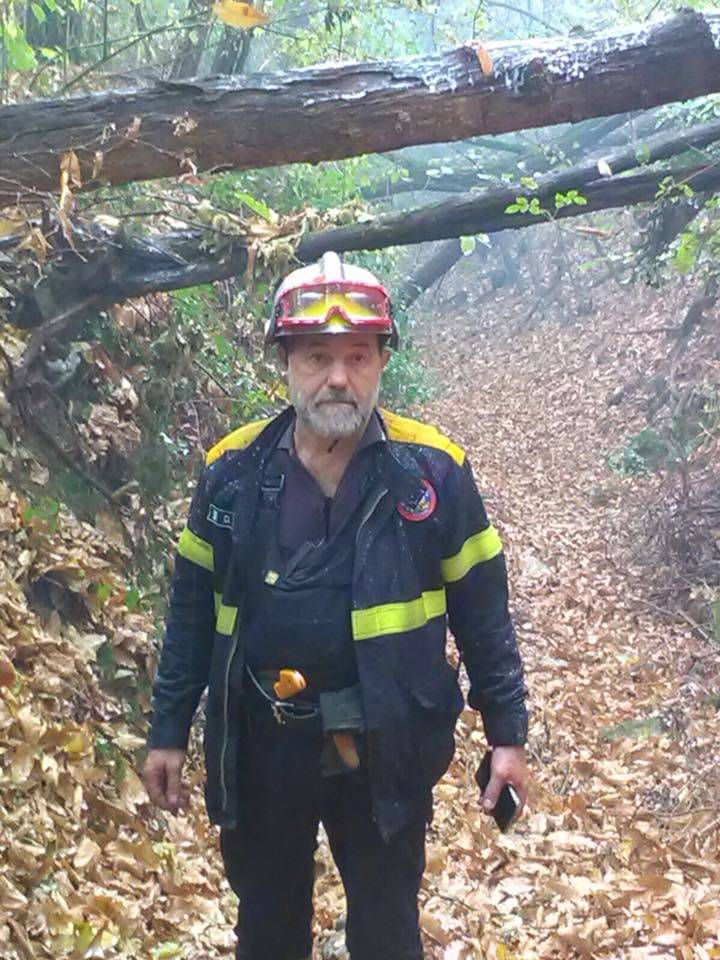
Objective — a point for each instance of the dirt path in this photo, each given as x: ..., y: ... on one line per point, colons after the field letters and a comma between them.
x: 618, y: 854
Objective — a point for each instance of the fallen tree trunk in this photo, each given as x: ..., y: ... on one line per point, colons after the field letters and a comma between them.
x: 662, y: 146
x: 119, y: 269
x: 470, y: 213
x: 114, y: 267
x: 330, y: 112
x: 424, y: 276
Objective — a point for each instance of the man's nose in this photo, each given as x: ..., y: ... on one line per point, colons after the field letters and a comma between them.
x: 337, y: 376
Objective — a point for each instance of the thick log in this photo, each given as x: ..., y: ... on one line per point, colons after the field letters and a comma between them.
x: 472, y: 213
x: 121, y: 265
x: 335, y: 111
x: 120, y: 270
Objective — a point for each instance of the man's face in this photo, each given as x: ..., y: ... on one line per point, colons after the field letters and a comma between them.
x: 334, y: 380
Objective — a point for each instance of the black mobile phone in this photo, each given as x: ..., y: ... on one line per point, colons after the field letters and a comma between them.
x: 506, y: 809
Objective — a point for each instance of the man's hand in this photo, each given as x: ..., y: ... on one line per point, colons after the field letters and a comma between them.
x: 508, y: 766
x: 162, y: 779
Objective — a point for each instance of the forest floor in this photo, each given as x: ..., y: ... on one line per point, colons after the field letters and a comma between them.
x: 618, y: 853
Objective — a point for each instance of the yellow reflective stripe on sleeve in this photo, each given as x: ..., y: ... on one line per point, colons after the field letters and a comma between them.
x: 225, y: 619
x: 476, y: 549
x: 398, y: 617
x: 195, y: 549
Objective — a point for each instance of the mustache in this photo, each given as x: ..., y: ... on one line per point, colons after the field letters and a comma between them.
x: 328, y: 395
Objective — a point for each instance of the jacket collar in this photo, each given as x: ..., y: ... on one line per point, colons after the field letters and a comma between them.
x: 397, y: 466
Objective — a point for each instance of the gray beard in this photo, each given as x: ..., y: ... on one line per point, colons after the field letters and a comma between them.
x: 332, y: 420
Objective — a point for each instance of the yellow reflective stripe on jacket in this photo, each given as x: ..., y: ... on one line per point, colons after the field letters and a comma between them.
x: 405, y: 430
x: 476, y: 549
x: 237, y: 440
x: 398, y: 617
x: 195, y: 549
x: 225, y: 617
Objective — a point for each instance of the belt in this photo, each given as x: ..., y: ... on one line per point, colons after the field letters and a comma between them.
x: 339, y: 715
x: 296, y: 710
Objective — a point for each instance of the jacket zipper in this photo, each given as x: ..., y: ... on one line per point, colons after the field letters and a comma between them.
x: 226, y: 700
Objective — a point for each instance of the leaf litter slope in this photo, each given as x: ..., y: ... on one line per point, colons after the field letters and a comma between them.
x: 618, y: 853
x: 86, y: 870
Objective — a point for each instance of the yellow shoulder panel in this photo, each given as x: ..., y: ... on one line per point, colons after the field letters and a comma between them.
x: 236, y: 440
x: 412, y: 431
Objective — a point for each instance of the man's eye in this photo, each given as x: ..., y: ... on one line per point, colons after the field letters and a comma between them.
x: 359, y: 358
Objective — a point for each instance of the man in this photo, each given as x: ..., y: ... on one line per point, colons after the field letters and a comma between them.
x: 326, y: 552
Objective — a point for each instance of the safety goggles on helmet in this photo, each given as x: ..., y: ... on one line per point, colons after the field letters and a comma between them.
x: 331, y: 297
x: 333, y: 307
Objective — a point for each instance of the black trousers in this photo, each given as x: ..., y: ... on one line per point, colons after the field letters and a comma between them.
x: 269, y: 857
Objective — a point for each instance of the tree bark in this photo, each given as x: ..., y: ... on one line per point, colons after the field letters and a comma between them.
x: 329, y: 112
x: 479, y: 213
x: 117, y: 268
x: 424, y: 276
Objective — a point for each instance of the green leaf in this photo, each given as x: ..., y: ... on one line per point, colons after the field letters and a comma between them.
x: 529, y: 182
x: 642, y: 153
x: 103, y: 592
x: 639, y: 729
x: 467, y: 245
x: 40, y: 14
x: 21, y: 55
x: 223, y: 346
x: 513, y: 208
x: 686, y: 253
x: 165, y: 951
x: 535, y: 206
x: 132, y: 600
x: 579, y: 200
x: 119, y: 772
x: 52, y: 6
x: 257, y: 206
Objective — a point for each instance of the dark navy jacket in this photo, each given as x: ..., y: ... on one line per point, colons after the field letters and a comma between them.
x: 426, y: 558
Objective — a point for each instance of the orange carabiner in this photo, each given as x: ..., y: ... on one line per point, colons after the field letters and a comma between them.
x: 288, y: 684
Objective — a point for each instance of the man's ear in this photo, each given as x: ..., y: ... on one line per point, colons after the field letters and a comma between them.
x: 282, y: 351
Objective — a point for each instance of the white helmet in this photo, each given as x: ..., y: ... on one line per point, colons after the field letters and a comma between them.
x: 330, y: 297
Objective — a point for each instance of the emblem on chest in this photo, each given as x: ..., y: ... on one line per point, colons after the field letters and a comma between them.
x: 423, y: 507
